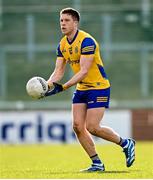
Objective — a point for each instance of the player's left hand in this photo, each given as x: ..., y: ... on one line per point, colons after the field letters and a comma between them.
x: 56, y: 89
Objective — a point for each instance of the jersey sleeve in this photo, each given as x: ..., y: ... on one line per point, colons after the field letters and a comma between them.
x: 58, y: 51
x: 88, y: 46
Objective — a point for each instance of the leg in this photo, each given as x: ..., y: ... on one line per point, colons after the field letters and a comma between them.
x: 79, y: 125
x: 84, y: 137
x: 93, y: 118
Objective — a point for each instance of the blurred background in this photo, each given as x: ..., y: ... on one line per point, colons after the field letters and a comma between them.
x: 29, y: 35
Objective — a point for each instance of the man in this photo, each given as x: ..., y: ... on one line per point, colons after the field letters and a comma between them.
x: 92, y: 94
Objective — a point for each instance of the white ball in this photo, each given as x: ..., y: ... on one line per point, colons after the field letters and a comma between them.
x: 36, y: 87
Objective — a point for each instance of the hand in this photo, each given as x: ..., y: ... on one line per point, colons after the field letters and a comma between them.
x: 57, y: 89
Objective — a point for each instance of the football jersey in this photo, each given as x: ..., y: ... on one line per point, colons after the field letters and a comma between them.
x: 84, y: 44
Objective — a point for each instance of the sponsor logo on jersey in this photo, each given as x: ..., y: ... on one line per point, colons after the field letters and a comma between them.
x: 72, y: 62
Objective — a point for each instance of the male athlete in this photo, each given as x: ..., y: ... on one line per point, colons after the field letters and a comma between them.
x: 92, y: 94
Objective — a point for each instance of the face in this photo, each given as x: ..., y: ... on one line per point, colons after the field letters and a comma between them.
x: 68, y: 24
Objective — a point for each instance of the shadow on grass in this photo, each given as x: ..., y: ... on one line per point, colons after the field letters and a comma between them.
x: 59, y: 173
x: 116, y: 172
x: 77, y: 172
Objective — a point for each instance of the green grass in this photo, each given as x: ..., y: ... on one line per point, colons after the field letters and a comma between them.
x: 65, y: 161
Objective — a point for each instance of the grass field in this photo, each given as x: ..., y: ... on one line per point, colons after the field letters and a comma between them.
x: 65, y: 161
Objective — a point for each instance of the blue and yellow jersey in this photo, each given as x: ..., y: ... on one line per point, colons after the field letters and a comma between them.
x: 84, y: 44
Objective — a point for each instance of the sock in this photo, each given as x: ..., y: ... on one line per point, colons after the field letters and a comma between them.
x: 95, y: 159
x: 123, y: 142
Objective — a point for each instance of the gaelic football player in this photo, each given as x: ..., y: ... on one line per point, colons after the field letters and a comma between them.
x: 92, y: 95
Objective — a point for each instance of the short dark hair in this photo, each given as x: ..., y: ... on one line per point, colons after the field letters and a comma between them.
x: 74, y: 13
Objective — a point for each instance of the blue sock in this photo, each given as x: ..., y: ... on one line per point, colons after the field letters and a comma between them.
x: 123, y: 142
x: 95, y: 159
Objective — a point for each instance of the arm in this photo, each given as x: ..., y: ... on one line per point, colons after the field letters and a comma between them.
x: 85, y: 64
x: 58, y: 71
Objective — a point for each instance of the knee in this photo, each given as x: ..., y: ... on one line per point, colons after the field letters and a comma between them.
x: 78, y: 128
x: 92, y: 129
